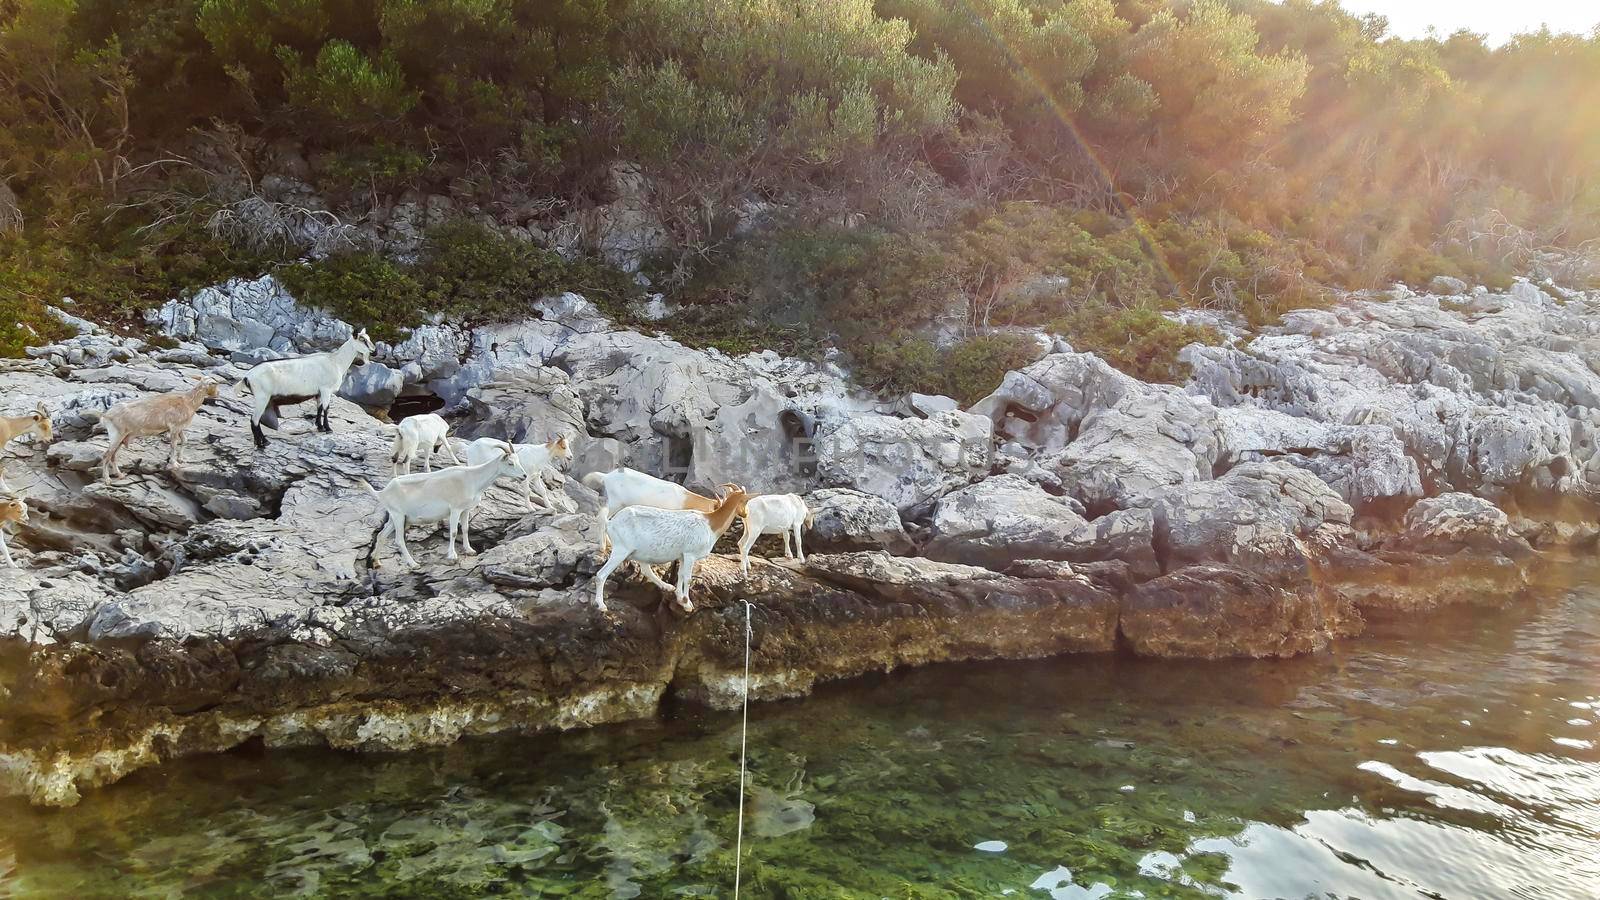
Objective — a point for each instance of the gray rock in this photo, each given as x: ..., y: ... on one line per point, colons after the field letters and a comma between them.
x: 1257, y: 514
x: 1456, y: 522
x: 908, y: 462
x: 1448, y: 285
x: 1005, y: 518
x: 844, y: 519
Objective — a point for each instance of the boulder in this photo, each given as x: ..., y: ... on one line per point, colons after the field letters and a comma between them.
x: 1125, y: 455
x: 843, y: 520
x: 908, y: 462
x: 1006, y: 517
x: 1215, y: 611
x: 1457, y: 522
x: 1257, y: 513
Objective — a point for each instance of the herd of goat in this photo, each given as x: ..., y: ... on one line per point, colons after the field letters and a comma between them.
x: 644, y: 520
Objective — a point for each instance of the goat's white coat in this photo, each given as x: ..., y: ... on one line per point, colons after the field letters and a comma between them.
x: 649, y: 536
x: 785, y: 514
x: 314, y: 375
x: 623, y: 488
x: 451, y: 494
x: 424, y: 434
x: 535, y: 459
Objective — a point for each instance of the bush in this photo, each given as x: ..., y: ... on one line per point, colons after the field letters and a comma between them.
x: 465, y: 272
x: 973, y: 368
x: 1138, y: 340
x: 111, y: 281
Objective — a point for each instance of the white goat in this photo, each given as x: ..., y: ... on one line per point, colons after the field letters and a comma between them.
x: 648, y: 536
x: 783, y: 514
x: 167, y: 414
x: 17, y: 426
x: 318, y: 375
x: 451, y: 494
x: 12, y: 509
x: 535, y: 459
x: 622, y: 488
x: 423, y: 434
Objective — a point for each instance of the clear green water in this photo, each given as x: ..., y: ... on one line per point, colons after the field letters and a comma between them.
x: 1458, y: 760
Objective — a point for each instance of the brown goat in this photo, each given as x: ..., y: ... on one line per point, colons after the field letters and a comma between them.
x: 167, y: 414
x: 12, y: 509
x: 17, y: 426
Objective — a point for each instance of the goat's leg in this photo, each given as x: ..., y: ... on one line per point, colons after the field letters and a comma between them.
x: 5, y: 552
x: 799, y: 553
x: 617, y: 558
x: 536, y: 483
x: 398, y: 521
x: 108, y: 463
x: 324, y: 402
x: 451, y: 451
x: 652, y: 576
x: 685, y: 578
x: 175, y: 435
x: 746, y: 541
x: 789, y: 554
x: 605, y: 538
x: 258, y: 408
x: 455, y: 521
x: 466, y: 521
x: 427, y: 457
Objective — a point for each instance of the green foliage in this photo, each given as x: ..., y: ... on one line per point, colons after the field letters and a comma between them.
x: 345, y: 89
x: 1138, y: 340
x: 464, y: 273
x: 112, y: 276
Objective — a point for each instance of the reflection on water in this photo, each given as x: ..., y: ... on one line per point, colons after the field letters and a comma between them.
x: 1456, y: 761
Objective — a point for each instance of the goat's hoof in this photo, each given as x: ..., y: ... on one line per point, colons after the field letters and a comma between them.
x: 470, y: 552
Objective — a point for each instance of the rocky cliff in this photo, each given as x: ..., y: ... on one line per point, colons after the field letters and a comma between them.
x: 1395, y: 454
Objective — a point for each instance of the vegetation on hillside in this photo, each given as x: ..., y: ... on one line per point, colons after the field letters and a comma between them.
x: 1081, y: 164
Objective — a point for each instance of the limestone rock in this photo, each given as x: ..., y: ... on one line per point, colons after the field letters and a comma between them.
x: 908, y: 462
x: 1215, y: 611
x: 843, y: 519
x: 1006, y: 517
x: 1125, y: 455
x: 1456, y: 522
x: 1255, y: 514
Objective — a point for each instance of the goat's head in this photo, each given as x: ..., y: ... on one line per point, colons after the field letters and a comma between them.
x: 41, y: 422
x: 208, y: 387
x: 13, y: 509
x: 560, y: 450
x: 730, y: 493
x: 509, y: 463
x: 364, y: 349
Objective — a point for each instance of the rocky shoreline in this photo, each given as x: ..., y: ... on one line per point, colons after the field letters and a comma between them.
x: 1391, y: 456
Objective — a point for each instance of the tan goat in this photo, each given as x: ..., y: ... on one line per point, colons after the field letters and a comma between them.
x: 167, y: 414
x: 12, y: 509
x: 17, y: 426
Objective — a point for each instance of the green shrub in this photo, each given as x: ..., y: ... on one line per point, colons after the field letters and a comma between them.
x: 113, y: 273
x: 465, y: 273
x: 1138, y: 340
x: 973, y: 368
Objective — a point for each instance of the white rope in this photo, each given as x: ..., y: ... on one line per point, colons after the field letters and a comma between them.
x: 744, y: 730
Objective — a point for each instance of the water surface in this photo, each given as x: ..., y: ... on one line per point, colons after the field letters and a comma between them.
x: 1448, y: 757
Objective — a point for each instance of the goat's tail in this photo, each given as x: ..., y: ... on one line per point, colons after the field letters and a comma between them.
x: 370, y: 489
x: 244, y: 382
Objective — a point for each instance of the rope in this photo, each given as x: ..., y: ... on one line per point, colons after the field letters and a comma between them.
x: 744, y: 730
